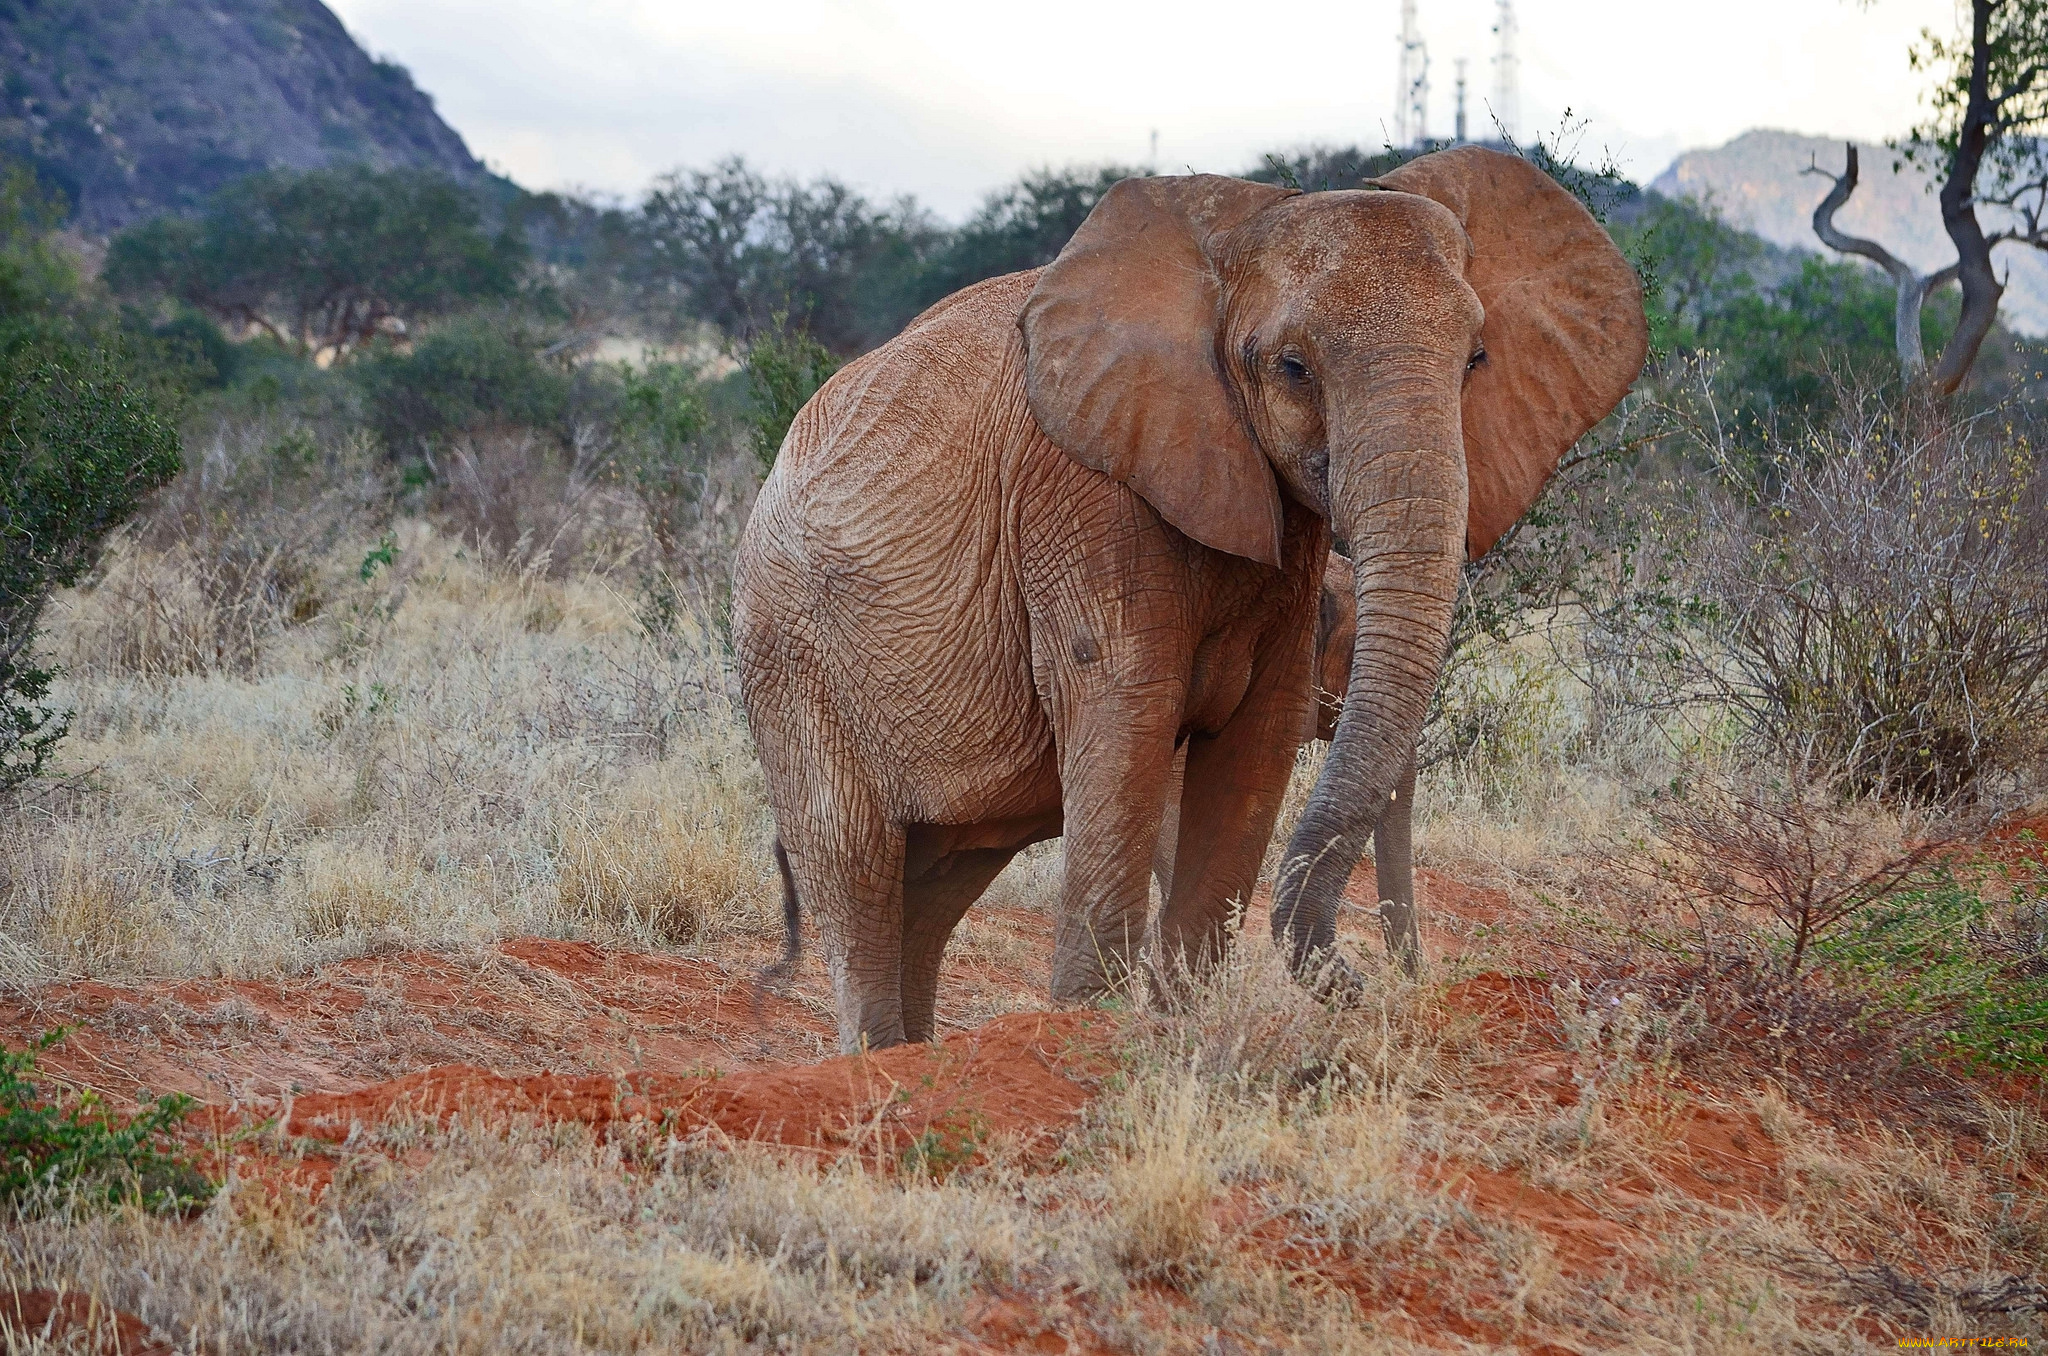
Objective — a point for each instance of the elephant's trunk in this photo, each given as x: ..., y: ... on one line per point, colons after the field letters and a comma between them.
x: 1397, y: 494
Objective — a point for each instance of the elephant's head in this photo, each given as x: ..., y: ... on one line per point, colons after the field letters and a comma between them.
x: 1409, y: 361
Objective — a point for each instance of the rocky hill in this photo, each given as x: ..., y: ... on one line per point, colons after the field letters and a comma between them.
x: 134, y: 107
x: 1755, y: 182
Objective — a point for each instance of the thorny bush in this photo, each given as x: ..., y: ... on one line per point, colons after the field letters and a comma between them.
x: 1841, y: 932
x: 1874, y: 597
x: 1786, y: 847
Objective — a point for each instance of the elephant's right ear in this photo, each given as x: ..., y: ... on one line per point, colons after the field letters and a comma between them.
x: 1121, y: 367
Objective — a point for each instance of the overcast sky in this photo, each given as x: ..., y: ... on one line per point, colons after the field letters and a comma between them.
x: 946, y: 99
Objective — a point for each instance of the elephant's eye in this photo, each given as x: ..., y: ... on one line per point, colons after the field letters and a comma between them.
x: 1295, y: 368
x: 1478, y: 357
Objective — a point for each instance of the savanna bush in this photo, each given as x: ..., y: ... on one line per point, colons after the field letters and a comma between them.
x: 83, y: 440
x: 785, y: 368
x: 227, y: 557
x: 1875, y: 597
x: 664, y: 446
x: 480, y: 373
x: 66, y: 1151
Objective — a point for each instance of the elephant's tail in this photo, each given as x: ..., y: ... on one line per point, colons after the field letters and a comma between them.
x: 784, y: 969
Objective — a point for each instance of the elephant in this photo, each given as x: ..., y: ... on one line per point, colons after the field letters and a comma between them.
x: 1072, y: 522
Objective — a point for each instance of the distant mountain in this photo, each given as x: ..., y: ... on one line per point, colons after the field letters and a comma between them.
x: 1754, y: 182
x: 133, y: 107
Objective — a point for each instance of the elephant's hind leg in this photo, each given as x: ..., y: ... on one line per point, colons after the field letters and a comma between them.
x: 933, y: 906
x: 849, y: 876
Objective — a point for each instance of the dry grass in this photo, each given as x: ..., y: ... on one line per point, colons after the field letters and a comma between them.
x: 469, y: 739
x: 1257, y: 1170
x: 544, y: 1240
x: 454, y: 746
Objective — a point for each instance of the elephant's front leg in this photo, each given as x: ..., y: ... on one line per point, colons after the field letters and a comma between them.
x: 1393, y: 858
x: 1116, y: 756
x: 1233, y: 787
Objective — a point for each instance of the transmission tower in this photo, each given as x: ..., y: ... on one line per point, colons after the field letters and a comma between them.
x: 1458, y: 125
x: 1411, y: 95
x: 1507, y: 72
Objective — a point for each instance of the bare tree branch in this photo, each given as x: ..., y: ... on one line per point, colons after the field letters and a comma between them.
x: 1910, y: 289
x: 1837, y: 239
x: 249, y: 315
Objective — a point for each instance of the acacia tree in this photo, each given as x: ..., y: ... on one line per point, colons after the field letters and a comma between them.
x: 1989, y: 102
x: 735, y: 248
x: 323, y: 260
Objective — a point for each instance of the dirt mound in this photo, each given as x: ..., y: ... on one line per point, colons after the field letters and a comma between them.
x: 557, y: 1030
x: 1709, y: 1152
x: 524, y: 1006
x: 73, y: 1322
x: 1020, y: 1077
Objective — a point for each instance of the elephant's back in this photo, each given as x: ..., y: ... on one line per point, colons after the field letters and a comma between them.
x: 899, y: 453
x: 923, y: 391
x: 877, y: 561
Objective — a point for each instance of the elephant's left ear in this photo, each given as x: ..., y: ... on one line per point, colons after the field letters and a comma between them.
x: 1565, y: 335
x: 1121, y: 368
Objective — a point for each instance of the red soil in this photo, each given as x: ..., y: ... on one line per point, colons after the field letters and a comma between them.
x: 556, y: 1030
x: 73, y: 1322
x: 524, y: 1006
x: 2020, y: 842
x: 1024, y: 1077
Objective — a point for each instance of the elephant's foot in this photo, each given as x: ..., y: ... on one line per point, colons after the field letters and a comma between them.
x: 1403, y: 938
x: 870, y: 1017
x: 1173, y: 980
x: 1089, y: 966
x: 1329, y: 977
x: 1089, y: 984
x: 1079, y: 993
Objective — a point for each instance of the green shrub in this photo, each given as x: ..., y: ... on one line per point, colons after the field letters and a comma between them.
x: 81, y: 444
x: 33, y: 276
x: 209, y: 357
x: 86, y: 431
x: 479, y: 373
x: 661, y: 450
x: 785, y: 368
x: 80, y: 1151
x: 1968, y: 967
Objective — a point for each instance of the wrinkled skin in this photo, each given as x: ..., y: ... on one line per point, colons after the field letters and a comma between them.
x: 1074, y: 520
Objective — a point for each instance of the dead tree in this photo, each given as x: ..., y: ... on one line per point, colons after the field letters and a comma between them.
x: 1911, y: 287
x: 1986, y: 111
